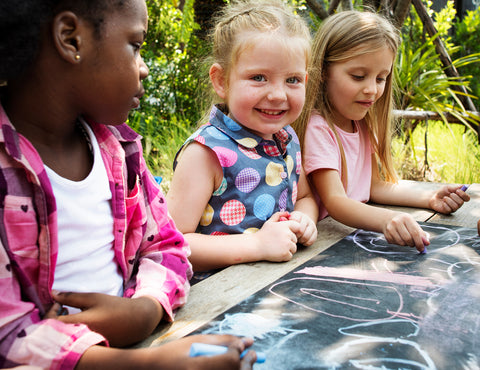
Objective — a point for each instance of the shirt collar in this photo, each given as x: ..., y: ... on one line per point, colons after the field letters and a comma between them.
x: 245, y: 138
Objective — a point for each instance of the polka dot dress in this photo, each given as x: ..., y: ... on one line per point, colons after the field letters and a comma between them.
x: 260, y: 176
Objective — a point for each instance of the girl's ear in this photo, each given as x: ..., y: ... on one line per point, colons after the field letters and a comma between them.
x: 217, y: 76
x: 67, y: 36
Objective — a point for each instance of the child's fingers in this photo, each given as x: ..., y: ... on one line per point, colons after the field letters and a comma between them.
x: 294, y: 226
x: 54, y: 311
x: 452, y: 203
x: 279, y: 216
x: 462, y: 194
x: 416, y: 237
x: 248, y: 360
x: 309, y: 234
x: 78, y: 300
x: 403, y: 230
x: 411, y: 234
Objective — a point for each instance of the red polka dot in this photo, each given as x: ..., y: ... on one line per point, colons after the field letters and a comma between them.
x: 233, y: 212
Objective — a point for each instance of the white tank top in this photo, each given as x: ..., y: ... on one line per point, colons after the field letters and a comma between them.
x: 86, y: 260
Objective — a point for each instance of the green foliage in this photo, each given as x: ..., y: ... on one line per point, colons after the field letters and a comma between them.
x: 466, y: 36
x: 453, y: 154
x: 173, y: 89
x: 423, y: 85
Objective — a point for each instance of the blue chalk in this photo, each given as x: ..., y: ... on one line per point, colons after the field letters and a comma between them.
x: 203, y: 349
x: 424, y: 250
x: 464, y: 187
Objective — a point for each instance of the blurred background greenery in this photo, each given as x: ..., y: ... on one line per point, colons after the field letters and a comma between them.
x: 177, y: 88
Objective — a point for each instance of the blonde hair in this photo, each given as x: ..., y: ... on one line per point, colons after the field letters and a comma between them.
x: 343, y: 36
x: 255, y: 16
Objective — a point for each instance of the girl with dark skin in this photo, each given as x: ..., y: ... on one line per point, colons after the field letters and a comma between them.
x: 62, y: 61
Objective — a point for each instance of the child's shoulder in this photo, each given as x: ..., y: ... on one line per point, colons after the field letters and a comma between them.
x: 317, y: 122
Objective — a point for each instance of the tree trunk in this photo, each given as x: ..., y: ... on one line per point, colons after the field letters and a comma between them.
x: 333, y: 6
x: 450, y: 69
x: 204, y: 9
x: 400, y: 12
x: 346, y: 4
x: 317, y: 7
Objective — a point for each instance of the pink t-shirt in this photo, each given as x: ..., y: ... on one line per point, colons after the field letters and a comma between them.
x: 321, y: 151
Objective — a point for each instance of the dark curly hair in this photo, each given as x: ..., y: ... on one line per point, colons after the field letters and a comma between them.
x: 21, y: 23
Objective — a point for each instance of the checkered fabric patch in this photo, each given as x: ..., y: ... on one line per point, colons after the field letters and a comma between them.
x: 294, y: 192
x: 249, y: 152
x: 233, y: 212
x: 299, y: 163
x: 271, y: 150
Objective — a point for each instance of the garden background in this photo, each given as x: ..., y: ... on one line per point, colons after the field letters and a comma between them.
x: 178, y: 91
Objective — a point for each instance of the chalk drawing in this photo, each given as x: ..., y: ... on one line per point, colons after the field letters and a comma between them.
x: 366, y: 304
x: 376, y: 243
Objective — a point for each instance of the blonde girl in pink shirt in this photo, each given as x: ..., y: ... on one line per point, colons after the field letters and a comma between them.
x: 345, y: 131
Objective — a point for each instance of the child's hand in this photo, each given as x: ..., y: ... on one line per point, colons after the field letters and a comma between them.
x: 448, y: 199
x: 308, y: 230
x: 123, y: 321
x: 277, y: 239
x: 402, y: 229
x: 175, y: 355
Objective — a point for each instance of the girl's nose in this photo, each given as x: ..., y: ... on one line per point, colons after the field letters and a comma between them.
x: 370, y: 87
x: 277, y: 92
x: 144, y: 71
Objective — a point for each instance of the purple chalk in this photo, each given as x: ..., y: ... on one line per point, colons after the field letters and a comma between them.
x: 464, y: 187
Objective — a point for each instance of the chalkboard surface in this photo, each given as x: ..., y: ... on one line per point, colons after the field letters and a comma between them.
x: 366, y: 304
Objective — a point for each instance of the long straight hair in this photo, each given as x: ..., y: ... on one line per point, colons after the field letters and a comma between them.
x: 343, y: 36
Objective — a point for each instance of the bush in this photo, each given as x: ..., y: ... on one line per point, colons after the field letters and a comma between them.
x: 466, y: 36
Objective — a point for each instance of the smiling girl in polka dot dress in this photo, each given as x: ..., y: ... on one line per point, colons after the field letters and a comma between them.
x: 238, y: 192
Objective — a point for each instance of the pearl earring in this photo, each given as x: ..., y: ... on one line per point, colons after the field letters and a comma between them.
x: 77, y: 57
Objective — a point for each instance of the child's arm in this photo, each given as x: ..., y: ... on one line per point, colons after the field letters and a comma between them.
x: 399, y: 228
x: 305, y: 212
x: 171, y: 356
x: 445, y: 200
x: 122, y: 321
x: 196, y: 176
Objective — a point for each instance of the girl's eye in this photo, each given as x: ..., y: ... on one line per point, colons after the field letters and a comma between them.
x: 293, y: 80
x: 358, y: 77
x: 137, y: 46
x: 258, y: 78
x: 381, y: 80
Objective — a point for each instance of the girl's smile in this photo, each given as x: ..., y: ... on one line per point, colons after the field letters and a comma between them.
x: 265, y: 89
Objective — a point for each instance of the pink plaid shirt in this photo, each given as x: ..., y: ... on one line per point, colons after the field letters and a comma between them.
x: 150, y: 251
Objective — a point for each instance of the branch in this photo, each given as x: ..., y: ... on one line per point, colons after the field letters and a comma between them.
x: 317, y: 8
x: 425, y: 115
x: 450, y: 69
x: 333, y: 6
x: 400, y: 13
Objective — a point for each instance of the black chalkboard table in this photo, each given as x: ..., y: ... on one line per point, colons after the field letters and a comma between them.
x: 352, y: 300
x: 365, y: 304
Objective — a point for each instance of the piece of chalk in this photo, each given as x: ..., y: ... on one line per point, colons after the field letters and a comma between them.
x: 464, y: 187
x: 204, y: 349
x: 426, y: 241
